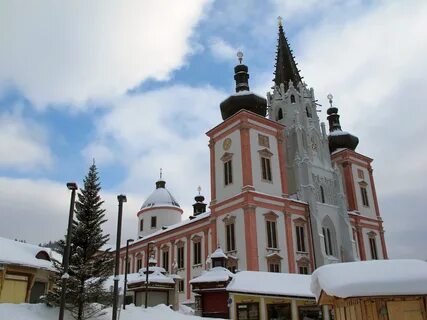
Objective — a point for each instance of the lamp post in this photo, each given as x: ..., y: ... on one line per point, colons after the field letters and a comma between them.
x: 147, y: 271
x: 126, y: 272
x: 121, y: 198
x: 66, y: 257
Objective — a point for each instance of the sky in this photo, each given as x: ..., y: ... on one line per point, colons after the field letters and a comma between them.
x: 136, y: 84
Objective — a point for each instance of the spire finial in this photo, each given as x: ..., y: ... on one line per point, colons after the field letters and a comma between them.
x: 330, y: 97
x: 240, y: 56
x: 279, y: 21
x: 199, y: 189
x: 161, y: 173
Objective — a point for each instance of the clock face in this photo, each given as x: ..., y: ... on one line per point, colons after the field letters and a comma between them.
x: 226, y: 144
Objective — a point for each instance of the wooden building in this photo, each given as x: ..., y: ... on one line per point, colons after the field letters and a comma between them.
x: 268, y: 295
x: 373, y: 290
x: 25, y: 271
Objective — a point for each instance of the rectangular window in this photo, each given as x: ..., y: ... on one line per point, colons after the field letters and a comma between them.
x: 228, y: 173
x: 360, y: 174
x: 373, y: 245
x: 138, y: 264
x: 303, y: 270
x: 231, y: 241
x: 364, y: 193
x: 180, y: 257
x: 197, y: 253
x: 274, y: 267
x: 271, y: 234
x: 141, y: 225
x: 266, y: 169
x: 300, y: 238
x: 153, y: 222
x: 180, y: 285
x: 165, y: 260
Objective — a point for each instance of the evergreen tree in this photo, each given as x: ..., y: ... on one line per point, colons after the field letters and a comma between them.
x: 89, y: 266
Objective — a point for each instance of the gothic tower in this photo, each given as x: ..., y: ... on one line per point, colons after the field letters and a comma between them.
x: 311, y: 176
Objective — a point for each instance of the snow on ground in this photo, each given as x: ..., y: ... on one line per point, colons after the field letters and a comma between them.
x: 27, y: 311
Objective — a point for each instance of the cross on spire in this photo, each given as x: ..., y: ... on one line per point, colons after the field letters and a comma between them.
x: 161, y: 173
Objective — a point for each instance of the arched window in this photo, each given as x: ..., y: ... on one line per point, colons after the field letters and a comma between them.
x: 292, y: 98
x: 307, y: 110
x: 280, y: 114
x: 329, y: 237
x: 322, y: 194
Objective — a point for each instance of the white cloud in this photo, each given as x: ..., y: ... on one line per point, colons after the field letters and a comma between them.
x: 222, y: 50
x: 77, y: 51
x: 23, y: 144
x: 161, y: 129
x: 37, y: 210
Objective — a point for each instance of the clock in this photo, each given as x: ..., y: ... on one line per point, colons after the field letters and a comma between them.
x: 226, y: 144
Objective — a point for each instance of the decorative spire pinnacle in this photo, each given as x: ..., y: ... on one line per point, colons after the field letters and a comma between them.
x: 286, y: 67
x: 199, y: 189
x: 240, y: 56
x: 199, y: 206
x: 160, y: 183
x: 338, y: 138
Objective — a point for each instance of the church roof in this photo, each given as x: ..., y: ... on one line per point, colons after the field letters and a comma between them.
x: 160, y: 197
x: 286, y: 67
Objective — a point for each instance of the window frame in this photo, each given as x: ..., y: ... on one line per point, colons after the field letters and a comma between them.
x: 300, y: 235
x: 153, y: 225
x: 364, y: 194
x: 180, y: 255
x: 197, y: 252
x: 271, y: 226
x: 165, y: 259
x: 373, y: 246
x: 141, y: 225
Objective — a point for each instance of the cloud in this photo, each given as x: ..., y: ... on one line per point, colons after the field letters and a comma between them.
x: 23, y: 143
x: 162, y: 128
x: 222, y: 50
x: 76, y: 52
x: 36, y: 210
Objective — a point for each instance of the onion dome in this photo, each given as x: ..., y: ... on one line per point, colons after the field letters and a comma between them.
x: 337, y: 138
x: 160, y: 197
x: 243, y: 98
x: 199, y: 206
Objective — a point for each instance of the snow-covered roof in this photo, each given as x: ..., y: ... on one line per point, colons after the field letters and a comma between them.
x: 152, y: 269
x: 109, y: 283
x: 338, y: 133
x: 371, y: 278
x: 174, y: 226
x: 218, y: 253
x: 155, y: 277
x: 24, y: 254
x: 271, y: 283
x: 217, y: 274
x: 160, y: 197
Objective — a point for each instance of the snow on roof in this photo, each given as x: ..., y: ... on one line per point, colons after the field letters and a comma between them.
x: 218, y: 253
x: 109, y: 283
x: 174, y: 226
x: 338, y: 133
x: 155, y: 277
x: 371, y: 278
x: 24, y: 254
x: 160, y: 197
x: 217, y: 274
x: 283, y: 284
x: 152, y: 269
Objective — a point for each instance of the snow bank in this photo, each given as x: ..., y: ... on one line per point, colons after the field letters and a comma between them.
x: 284, y: 284
x: 371, y: 278
x: 42, y: 312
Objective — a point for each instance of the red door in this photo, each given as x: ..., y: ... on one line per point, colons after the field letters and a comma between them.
x: 214, y: 304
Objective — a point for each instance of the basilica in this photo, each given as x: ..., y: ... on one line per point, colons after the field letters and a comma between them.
x: 288, y: 193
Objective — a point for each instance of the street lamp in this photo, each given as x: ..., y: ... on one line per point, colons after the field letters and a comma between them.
x: 66, y: 257
x: 147, y: 271
x: 121, y: 198
x: 126, y: 272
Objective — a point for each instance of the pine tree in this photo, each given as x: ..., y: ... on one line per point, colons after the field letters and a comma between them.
x: 89, y: 266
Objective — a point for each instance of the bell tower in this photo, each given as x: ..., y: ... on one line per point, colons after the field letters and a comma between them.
x: 310, y: 174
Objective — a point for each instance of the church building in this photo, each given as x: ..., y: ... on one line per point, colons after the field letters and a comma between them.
x: 287, y: 195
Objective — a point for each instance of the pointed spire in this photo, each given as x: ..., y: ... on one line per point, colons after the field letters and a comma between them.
x: 286, y: 67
